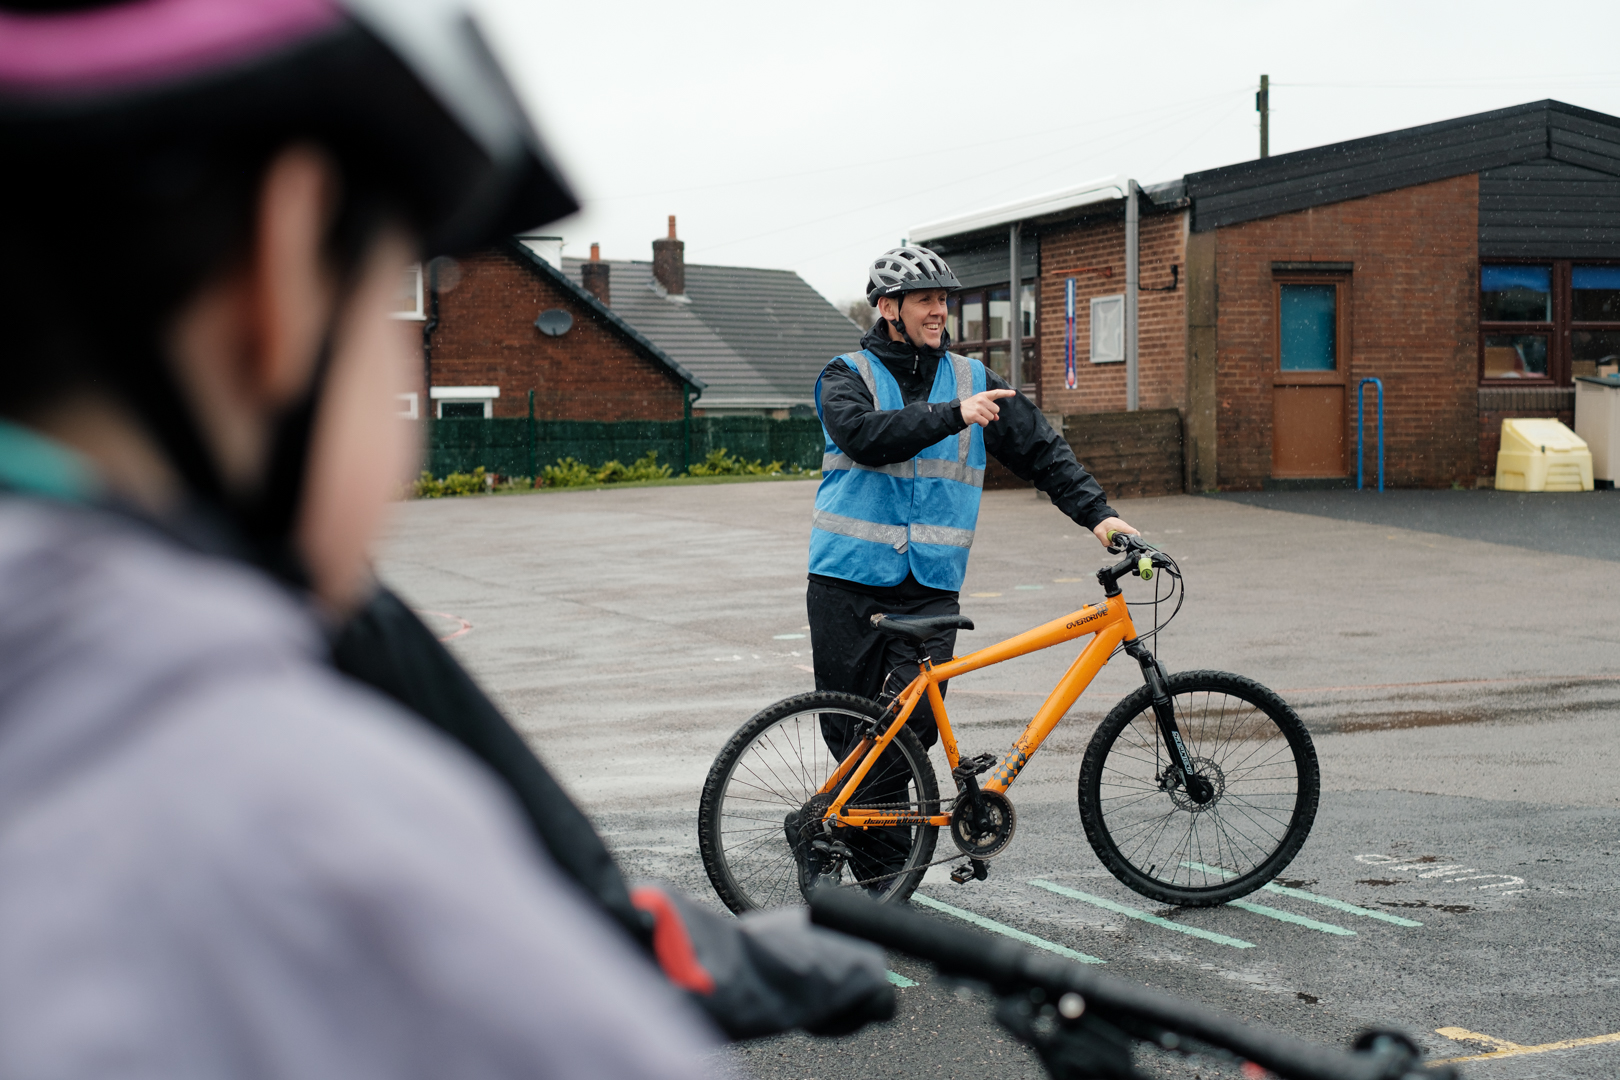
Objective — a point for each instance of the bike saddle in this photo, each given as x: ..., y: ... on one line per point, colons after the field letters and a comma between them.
x: 919, y: 627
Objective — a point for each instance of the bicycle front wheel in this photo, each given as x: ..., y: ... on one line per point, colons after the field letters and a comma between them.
x: 1146, y: 829
x: 760, y: 813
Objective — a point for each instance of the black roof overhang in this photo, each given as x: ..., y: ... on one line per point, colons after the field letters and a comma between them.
x: 1397, y: 159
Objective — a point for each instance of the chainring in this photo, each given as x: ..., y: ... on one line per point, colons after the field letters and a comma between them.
x: 983, y: 826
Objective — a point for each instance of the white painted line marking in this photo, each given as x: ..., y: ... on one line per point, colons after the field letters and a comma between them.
x: 1325, y: 901
x: 900, y: 980
x: 1130, y: 912
x: 786, y: 637
x: 1290, y: 917
x: 1002, y: 928
x: 1028, y: 588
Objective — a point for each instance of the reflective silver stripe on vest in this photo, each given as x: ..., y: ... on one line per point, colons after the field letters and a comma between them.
x: 863, y: 367
x: 893, y: 535
x: 950, y: 470
x: 964, y: 390
x: 941, y: 534
x: 902, y: 469
x: 906, y: 470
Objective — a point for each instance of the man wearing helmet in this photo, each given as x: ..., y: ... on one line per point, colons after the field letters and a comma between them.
x: 908, y: 425
x: 218, y: 855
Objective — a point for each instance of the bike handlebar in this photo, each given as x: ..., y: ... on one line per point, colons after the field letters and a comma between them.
x: 1140, y: 559
x: 1141, y: 1012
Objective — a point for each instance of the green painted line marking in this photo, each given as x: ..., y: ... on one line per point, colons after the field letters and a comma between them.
x: 1002, y: 928
x: 1325, y: 901
x: 900, y: 980
x: 1339, y: 905
x: 1121, y: 909
x: 1290, y: 917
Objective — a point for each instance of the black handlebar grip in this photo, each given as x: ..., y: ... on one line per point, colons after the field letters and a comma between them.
x: 954, y: 949
x: 1008, y: 966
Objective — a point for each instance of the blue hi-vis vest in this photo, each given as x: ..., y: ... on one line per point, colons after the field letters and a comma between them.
x: 872, y: 523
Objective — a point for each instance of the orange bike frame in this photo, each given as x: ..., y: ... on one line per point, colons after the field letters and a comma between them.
x: 1109, y: 621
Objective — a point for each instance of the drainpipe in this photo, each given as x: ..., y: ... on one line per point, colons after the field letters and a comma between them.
x: 432, y: 324
x: 1015, y: 368
x: 1133, y: 216
x: 688, y: 392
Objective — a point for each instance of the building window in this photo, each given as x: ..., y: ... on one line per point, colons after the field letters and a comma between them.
x: 1107, y: 329
x: 408, y: 301
x: 1547, y: 322
x: 1308, y: 327
x: 1594, y: 315
x: 982, y: 326
x: 464, y: 402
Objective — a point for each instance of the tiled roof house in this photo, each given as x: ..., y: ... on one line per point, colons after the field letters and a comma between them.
x: 756, y: 338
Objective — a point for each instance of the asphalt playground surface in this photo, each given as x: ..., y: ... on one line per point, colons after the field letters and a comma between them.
x: 1453, y: 653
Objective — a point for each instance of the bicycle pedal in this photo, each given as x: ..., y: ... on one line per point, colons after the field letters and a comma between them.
x: 972, y: 870
x: 974, y: 766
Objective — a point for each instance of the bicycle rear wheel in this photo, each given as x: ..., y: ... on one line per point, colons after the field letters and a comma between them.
x: 759, y: 809
x: 1152, y: 836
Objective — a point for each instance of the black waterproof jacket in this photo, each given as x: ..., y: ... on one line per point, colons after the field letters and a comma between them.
x: 1020, y: 438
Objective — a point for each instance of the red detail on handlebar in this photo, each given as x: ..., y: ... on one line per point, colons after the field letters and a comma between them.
x: 672, y: 945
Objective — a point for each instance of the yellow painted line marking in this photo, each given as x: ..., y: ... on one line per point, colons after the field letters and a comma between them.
x: 1069, y: 580
x: 1504, y: 1049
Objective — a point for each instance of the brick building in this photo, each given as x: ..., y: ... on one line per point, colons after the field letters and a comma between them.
x: 501, y: 323
x: 618, y: 340
x: 1473, y: 266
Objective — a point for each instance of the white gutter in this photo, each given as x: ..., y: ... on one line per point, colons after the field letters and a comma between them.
x: 1104, y: 189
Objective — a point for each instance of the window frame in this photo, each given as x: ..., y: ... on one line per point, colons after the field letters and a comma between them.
x: 419, y: 313
x: 463, y: 395
x: 979, y: 349
x: 1340, y: 280
x: 1560, y: 346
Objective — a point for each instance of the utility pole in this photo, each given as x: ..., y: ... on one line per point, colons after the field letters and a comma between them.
x: 1262, y: 105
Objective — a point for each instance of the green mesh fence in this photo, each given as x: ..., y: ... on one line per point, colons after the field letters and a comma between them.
x: 521, y: 447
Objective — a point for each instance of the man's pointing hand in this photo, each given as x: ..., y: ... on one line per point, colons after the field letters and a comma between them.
x: 982, y: 408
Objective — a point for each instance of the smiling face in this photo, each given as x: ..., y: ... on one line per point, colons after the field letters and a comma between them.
x: 924, y: 312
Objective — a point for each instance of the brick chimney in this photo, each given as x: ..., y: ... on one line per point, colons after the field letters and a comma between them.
x: 594, y: 276
x: 669, y: 262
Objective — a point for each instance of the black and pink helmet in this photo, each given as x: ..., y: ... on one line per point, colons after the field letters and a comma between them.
x: 408, y: 88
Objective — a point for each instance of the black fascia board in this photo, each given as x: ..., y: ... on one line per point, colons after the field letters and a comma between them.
x: 1340, y: 171
x: 513, y: 246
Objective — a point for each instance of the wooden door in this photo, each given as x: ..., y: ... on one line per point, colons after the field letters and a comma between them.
x: 1309, y: 384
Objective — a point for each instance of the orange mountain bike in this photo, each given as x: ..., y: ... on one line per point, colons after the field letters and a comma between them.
x: 1197, y: 788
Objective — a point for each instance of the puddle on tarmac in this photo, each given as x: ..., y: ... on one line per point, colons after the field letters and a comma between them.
x: 1450, y: 909
x: 1379, y: 882
x: 1309, y: 999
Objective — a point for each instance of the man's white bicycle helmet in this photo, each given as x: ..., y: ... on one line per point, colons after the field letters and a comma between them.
x: 908, y: 269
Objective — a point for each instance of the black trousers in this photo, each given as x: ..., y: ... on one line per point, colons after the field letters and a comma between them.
x: 850, y: 656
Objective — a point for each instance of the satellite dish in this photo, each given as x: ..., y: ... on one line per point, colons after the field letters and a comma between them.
x: 555, y: 322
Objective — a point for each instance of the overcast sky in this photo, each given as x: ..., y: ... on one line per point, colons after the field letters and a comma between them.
x: 812, y: 136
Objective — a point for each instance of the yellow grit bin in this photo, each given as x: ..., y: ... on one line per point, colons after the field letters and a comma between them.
x: 1539, y: 454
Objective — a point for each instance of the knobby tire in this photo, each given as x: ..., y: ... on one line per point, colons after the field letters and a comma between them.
x: 1158, y: 841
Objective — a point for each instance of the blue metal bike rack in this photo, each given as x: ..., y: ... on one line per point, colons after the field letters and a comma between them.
x: 1361, y: 431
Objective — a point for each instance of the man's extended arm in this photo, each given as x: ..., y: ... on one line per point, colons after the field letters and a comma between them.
x: 874, y: 436
x: 1021, y: 439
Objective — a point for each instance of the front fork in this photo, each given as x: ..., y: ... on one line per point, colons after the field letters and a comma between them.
x: 1198, y: 789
